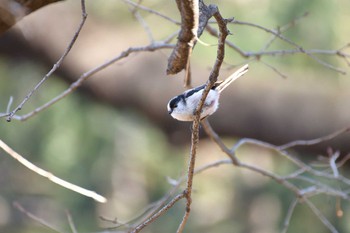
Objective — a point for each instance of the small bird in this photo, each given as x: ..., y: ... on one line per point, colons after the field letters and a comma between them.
x: 183, y: 107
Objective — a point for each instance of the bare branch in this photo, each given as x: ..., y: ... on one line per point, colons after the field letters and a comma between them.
x: 320, y: 216
x: 35, y: 218
x: 9, y: 104
x: 194, y: 18
x: 277, y: 34
x: 179, y: 58
x: 298, y: 47
x: 316, y: 188
x: 297, y: 162
x: 215, y: 137
x: 159, y: 213
x: 343, y: 160
x: 314, y: 141
x: 139, y: 18
x: 138, y: 6
x: 333, y: 165
x: 71, y: 222
x: 50, y: 176
x: 222, y: 23
x: 56, y: 65
x: 289, y: 215
x: 88, y: 74
x: 274, y: 69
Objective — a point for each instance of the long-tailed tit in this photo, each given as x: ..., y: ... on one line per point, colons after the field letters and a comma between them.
x: 183, y: 107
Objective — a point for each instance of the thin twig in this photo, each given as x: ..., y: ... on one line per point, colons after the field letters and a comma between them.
x: 314, y: 141
x: 283, y: 29
x: 277, y: 34
x: 88, y: 74
x: 333, y: 165
x: 159, y: 205
x: 215, y: 137
x: 139, y: 18
x: 50, y: 176
x: 343, y: 160
x: 152, y: 11
x: 320, y: 216
x: 212, y: 165
x: 303, y: 194
x: 56, y: 65
x: 301, y: 49
x: 317, y: 187
x: 273, y: 69
x: 296, y: 161
x: 289, y: 215
x: 9, y: 104
x: 273, y: 176
x: 35, y: 218
x: 71, y: 222
x: 153, y: 208
x: 158, y: 214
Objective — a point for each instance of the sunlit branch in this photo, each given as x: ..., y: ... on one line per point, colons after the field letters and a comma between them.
x: 49, y: 175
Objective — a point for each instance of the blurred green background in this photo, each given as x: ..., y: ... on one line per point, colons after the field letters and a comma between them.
x: 120, y: 150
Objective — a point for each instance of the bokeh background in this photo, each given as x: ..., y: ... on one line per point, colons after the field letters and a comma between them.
x: 113, y: 135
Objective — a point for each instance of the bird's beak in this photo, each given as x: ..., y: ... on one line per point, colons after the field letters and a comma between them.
x: 170, y: 111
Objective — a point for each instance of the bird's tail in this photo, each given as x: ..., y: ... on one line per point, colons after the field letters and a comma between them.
x: 240, y: 72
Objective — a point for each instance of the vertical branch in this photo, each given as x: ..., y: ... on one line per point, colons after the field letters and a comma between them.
x: 179, y: 58
x: 195, y: 126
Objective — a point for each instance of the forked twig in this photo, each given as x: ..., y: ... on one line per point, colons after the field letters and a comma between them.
x: 276, y: 33
x: 56, y: 65
x: 302, y: 194
x: 88, y: 74
x: 138, y: 6
x: 159, y: 213
x: 298, y: 47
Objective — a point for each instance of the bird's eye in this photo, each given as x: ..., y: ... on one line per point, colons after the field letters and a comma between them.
x: 175, y: 106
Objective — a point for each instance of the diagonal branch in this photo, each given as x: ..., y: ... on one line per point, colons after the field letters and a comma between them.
x: 56, y: 65
x: 277, y: 33
x: 50, y: 176
x: 152, y: 47
x: 35, y: 218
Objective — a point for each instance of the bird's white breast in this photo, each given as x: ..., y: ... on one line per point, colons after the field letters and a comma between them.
x: 186, y: 112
